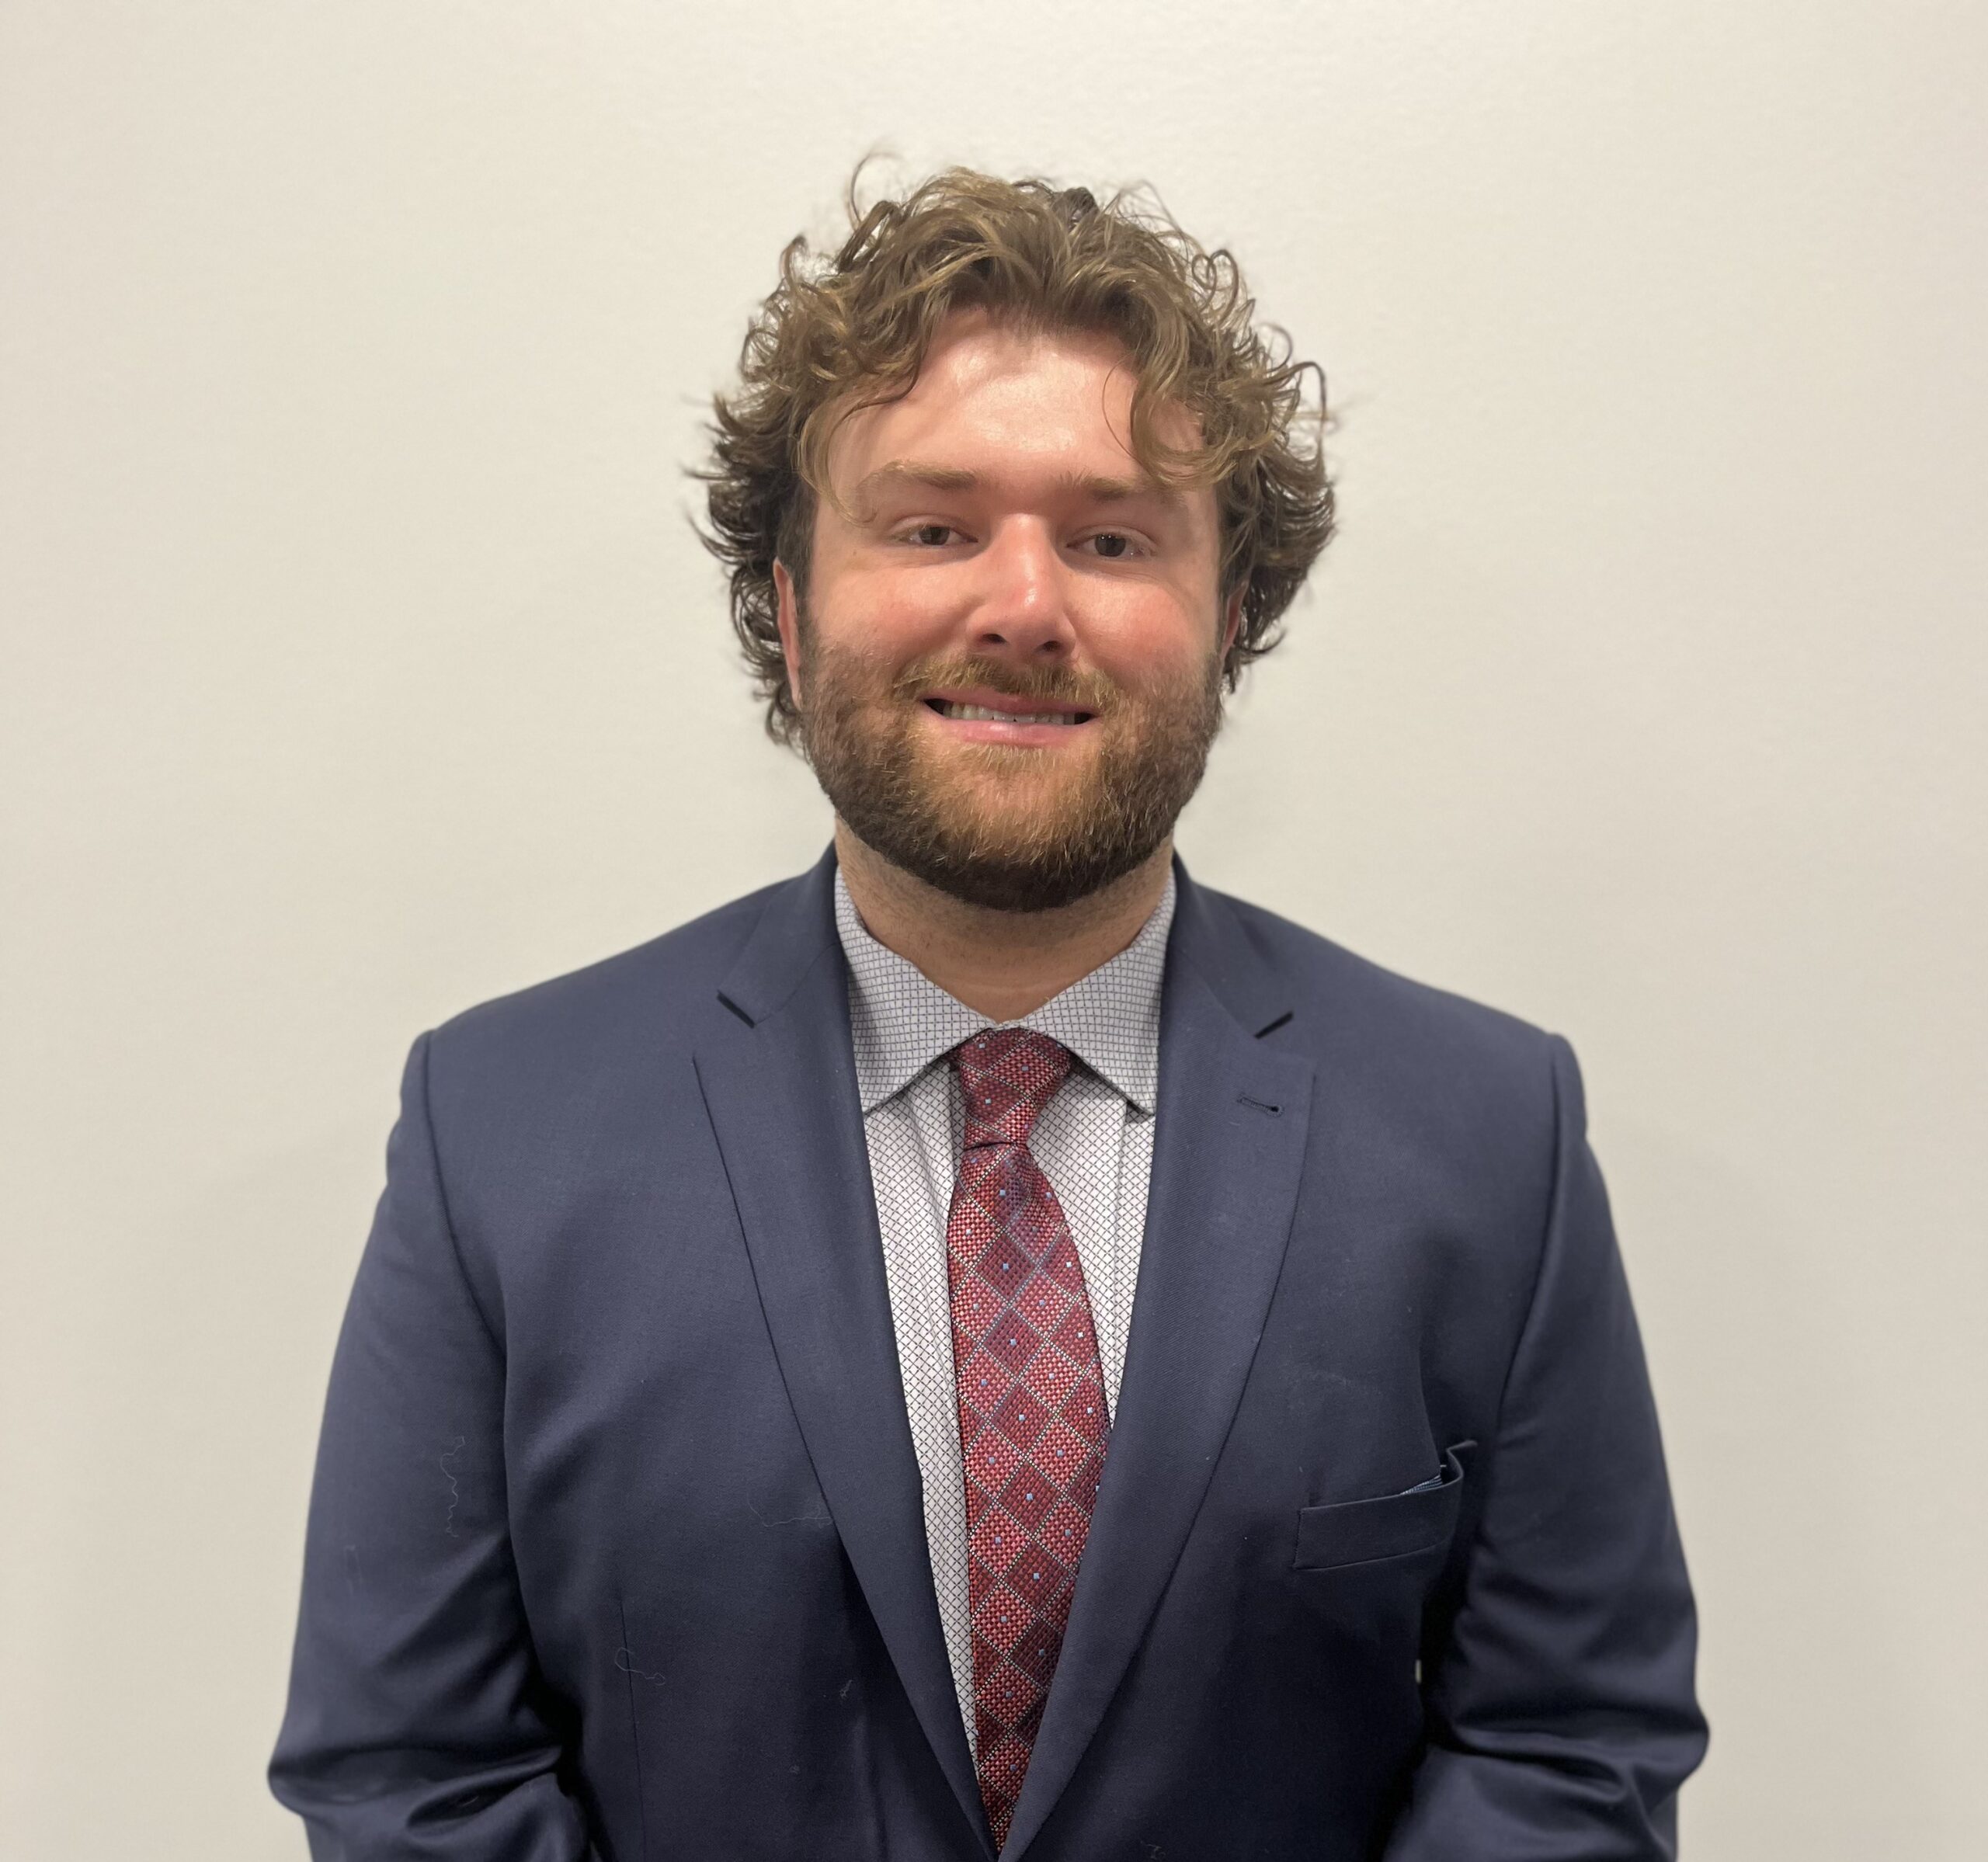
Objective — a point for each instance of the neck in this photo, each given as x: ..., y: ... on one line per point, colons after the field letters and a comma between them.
x: 1003, y: 965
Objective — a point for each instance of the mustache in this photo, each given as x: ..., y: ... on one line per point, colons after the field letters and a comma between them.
x: 1085, y: 691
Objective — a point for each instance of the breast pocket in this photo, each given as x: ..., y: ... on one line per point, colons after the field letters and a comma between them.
x: 1391, y: 1526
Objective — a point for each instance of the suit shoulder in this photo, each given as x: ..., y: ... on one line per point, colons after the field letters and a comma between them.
x: 642, y: 995
x: 1344, y: 1003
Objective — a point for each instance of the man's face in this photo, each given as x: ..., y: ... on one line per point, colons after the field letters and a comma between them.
x: 1008, y: 672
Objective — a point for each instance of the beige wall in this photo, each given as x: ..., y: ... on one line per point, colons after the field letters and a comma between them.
x: 359, y: 664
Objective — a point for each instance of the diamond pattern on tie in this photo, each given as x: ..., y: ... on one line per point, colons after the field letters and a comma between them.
x: 1031, y: 1399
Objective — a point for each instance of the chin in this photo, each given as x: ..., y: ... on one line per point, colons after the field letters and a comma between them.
x: 1021, y: 879
x: 1004, y: 855
x: 1014, y: 819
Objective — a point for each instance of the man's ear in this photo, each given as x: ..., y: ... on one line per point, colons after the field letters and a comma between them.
x: 789, y: 616
x: 1232, y: 618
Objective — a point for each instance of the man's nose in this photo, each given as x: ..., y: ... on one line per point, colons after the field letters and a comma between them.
x: 1022, y: 610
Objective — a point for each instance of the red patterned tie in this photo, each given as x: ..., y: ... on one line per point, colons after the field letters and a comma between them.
x: 1032, y: 1414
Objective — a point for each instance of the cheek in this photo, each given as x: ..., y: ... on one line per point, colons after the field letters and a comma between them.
x: 887, y: 619
x: 1150, y: 641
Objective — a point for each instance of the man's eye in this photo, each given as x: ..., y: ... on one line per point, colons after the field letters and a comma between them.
x: 933, y: 536
x: 1112, y: 545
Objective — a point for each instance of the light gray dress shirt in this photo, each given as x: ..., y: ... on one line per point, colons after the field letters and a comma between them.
x: 1094, y: 1141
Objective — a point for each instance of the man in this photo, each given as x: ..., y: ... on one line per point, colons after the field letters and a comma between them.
x: 989, y: 1347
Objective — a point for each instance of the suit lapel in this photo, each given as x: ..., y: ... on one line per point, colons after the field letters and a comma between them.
x: 779, y: 1080
x: 1228, y: 1148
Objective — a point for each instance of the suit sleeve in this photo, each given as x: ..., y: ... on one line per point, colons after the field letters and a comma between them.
x: 1561, y: 1716
x: 417, y: 1725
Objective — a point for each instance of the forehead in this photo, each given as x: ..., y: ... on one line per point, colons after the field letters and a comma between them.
x: 992, y: 396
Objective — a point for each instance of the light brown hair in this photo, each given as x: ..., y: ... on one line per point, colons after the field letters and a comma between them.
x: 852, y: 332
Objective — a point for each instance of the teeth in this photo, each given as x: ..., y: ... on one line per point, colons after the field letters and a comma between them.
x: 982, y: 713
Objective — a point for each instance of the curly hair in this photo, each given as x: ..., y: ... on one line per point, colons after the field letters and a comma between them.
x: 853, y: 332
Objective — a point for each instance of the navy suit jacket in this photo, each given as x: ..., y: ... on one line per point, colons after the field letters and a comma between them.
x: 616, y: 1547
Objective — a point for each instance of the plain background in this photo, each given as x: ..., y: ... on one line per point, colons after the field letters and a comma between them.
x: 360, y: 664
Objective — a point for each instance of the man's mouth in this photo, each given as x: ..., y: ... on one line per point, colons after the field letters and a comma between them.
x: 946, y: 707
x: 982, y: 712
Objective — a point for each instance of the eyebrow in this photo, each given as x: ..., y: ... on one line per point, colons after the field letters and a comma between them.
x: 1101, y: 489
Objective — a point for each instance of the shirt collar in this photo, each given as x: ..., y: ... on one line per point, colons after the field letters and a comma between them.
x: 900, y: 1021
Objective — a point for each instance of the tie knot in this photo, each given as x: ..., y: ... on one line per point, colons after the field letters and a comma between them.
x: 1007, y: 1075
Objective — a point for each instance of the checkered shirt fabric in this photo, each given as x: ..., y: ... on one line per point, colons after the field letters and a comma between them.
x: 1094, y: 1142
x: 1031, y: 1400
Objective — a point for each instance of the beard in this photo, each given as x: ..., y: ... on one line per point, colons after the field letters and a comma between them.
x: 997, y: 825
